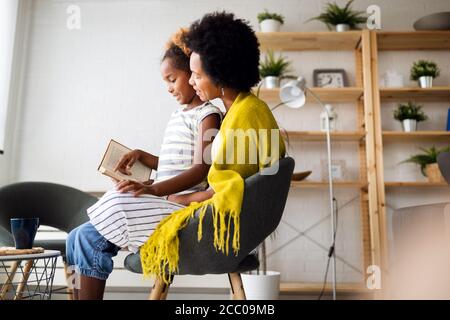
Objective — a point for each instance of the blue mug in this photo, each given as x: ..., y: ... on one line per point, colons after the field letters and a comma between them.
x: 24, y: 230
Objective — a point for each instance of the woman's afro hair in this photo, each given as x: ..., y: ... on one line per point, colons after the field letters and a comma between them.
x: 228, y: 49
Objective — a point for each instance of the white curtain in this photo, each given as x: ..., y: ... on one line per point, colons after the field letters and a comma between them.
x: 8, y: 18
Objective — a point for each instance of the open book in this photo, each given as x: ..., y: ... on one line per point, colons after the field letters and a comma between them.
x: 115, y: 151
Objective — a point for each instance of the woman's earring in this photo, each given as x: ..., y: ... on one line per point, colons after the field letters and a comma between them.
x: 223, y: 92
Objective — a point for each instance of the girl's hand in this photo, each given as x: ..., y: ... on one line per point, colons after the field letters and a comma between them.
x: 137, y: 188
x: 126, y: 162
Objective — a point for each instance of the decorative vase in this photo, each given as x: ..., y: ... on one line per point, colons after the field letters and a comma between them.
x: 426, y: 81
x: 433, y: 173
x: 261, y: 286
x: 409, y: 125
x: 272, y: 82
x: 270, y: 25
x: 342, y: 27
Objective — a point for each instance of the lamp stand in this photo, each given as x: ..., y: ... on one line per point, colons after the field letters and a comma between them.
x: 331, y: 194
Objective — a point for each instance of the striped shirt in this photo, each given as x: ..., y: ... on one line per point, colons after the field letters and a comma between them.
x: 177, y: 150
x: 128, y: 221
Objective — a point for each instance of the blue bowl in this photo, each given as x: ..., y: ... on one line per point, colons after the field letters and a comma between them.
x: 24, y: 230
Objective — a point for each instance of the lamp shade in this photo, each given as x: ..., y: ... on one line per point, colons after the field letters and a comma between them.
x: 292, y: 93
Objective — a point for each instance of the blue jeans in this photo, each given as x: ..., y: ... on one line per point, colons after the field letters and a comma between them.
x: 89, y: 252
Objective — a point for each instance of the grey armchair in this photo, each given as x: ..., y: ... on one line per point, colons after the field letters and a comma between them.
x: 264, y: 201
x: 55, y: 205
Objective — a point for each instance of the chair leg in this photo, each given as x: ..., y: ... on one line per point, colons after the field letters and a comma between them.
x: 160, y: 289
x: 7, y: 285
x: 237, y: 288
x: 69, y: 290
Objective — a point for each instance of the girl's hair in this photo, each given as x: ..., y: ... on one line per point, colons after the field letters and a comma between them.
x: 178, y: 52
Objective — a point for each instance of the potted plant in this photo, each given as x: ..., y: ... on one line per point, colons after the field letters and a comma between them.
x: 342, y: 19
x: 424, y: 71
x: 261, y: 284
x: 409, y: 115
x: 428, y: 163
x: 270, y: 22
x: 272, y: 69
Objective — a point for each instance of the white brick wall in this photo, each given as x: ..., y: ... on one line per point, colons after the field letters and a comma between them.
x: 83, y: 87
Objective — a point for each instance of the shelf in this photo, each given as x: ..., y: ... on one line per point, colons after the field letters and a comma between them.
x: 418, y: 94
x: 312, y: 287
x: 321, y: 136
x: 414, y: 184
x: 415, y: 40
x: 347, y: 94
x: 309, y: 41
x: 433, y: 136
x: 324, y: 184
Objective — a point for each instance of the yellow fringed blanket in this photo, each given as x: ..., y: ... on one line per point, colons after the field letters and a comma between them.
x: 249, y: 141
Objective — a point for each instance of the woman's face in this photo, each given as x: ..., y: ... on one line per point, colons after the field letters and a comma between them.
x: 203, y: 86
x: 177, y: 82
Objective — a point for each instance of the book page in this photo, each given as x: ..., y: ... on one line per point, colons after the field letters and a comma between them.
x: 114, y: 152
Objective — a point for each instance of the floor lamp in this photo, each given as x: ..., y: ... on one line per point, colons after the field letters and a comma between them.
x: 293, y: 94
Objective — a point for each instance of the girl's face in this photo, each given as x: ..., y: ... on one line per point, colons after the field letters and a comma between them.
x: 203, y: 86
x: 177, y: 82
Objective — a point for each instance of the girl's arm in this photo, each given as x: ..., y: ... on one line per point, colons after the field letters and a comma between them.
x: 199, y: 170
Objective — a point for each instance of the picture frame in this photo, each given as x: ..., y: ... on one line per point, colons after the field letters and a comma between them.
x: 330, y: 78
x: 338, y: 170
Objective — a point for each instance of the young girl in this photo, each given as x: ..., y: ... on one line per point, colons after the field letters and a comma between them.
x: 121, y: 219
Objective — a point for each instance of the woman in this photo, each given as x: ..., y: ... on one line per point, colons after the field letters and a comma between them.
x: 224, y: 64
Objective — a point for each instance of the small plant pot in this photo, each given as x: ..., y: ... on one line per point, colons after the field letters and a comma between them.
x: 426, y: 82
x: 270, y: 25
x: 272, y: 82
x: 433, y: 173
x: 342, y: 27
x: 260, y: 286
x: 409, y: 125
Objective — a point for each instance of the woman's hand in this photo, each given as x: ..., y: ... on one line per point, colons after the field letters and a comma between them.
x: 137, y: 188
x: 127, y: 161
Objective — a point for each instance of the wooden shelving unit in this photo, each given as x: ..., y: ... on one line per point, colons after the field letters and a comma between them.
x: 324, y: 184
x: 349, y: 94
x: 414, y: 184
x: 317, y: 136
x: 309, y: 41
x: 435, y: 94
x: 418, y: 136
x: 357, y: 42
x: 417, y: 40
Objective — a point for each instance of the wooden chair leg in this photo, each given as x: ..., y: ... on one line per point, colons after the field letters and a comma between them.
x: 7, y: 285
x: 69, y: 289
x: 23, y: 282
x: 166, y: 291
x: 237, y: 288
x: 158, y: 290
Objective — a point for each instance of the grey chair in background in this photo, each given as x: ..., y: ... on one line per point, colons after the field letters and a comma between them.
x: 264, y: 201
x: 55, y: 205
x: 444, y: 165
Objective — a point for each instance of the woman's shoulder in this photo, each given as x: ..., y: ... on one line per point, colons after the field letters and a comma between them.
x: 252, y: 104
